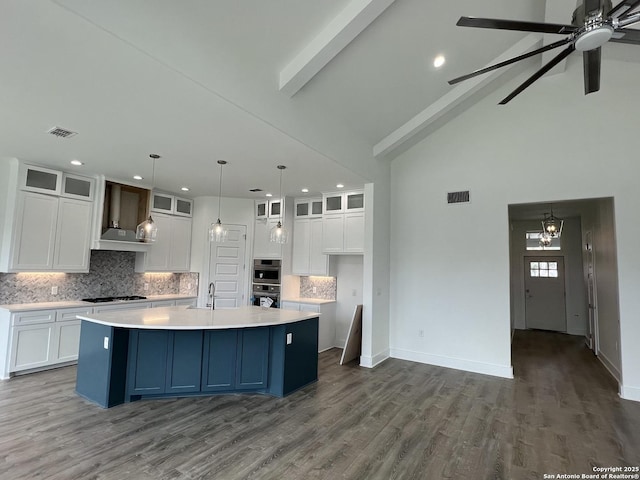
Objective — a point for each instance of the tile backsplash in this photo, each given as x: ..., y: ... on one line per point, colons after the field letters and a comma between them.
x: 110, y: 274
x: 325, y: 287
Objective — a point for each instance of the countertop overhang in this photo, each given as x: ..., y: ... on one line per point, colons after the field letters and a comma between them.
x: 184, y: 318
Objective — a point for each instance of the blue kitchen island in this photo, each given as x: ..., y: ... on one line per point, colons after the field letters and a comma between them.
x: 178, y: 351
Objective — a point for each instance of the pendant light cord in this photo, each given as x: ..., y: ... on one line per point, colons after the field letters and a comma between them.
x: 281, y: 202
x: 220, y: 192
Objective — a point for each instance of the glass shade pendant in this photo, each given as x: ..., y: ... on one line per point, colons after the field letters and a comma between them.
x: 217, y: 231
x: 279, y: 234
x: 147, y: 231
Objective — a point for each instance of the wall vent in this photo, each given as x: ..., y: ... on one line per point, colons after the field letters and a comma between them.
x: 458, y: 197
x: 255, y: 190
x: 61, y: 132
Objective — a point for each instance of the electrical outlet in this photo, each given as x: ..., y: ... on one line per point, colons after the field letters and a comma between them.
x: 354, y: 292
x: 54, y: 290
x: 315, y: 290
x: 146, y: 287
x: 106, y: 343
x: 289, y: 338
x: 421, y: 333
x: 189, y: 286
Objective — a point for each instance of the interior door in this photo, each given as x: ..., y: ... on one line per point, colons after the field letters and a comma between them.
x: 592, y: 334
x: 227, y: 268
x: 545, y: 293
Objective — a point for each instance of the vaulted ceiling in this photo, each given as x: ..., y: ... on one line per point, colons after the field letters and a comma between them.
x: 320, y: 86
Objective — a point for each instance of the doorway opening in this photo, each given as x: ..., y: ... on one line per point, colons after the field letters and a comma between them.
x: 569, y: 286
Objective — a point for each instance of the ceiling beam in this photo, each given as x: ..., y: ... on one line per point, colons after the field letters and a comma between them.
x: 451, y: 99
x: 341, y: 31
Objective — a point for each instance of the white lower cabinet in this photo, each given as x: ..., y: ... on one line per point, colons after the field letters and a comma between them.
x: 31, y: 346
x: 326, y: 325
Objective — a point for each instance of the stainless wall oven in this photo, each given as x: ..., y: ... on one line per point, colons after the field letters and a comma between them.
x: 266, y: 283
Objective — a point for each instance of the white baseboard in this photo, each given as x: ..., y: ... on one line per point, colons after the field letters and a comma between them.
x: 503, y: 371
x: 609, y: 366
x: 630, y: 393
x: 377, y: 359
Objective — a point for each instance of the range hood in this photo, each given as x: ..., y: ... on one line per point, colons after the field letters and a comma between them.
x: 122, y: 209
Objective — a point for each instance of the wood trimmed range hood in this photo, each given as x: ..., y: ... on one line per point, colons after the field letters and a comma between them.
x: 117, y: 215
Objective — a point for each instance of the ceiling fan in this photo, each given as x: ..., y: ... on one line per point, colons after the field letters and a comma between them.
x: 594, y: 23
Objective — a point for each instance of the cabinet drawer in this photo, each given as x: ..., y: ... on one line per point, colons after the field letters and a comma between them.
x: 70, y: 314
x: 28, y: 318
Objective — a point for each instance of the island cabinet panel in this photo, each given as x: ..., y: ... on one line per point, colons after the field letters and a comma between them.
x: 184, y: 361
x: 164, y: 361
x: 252, y: 369
x: 147, y: 362
x: 293, y: 356
x: 102, y: 364
x: 219, y: 360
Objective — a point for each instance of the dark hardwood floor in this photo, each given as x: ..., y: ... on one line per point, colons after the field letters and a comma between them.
x: 561, y: 414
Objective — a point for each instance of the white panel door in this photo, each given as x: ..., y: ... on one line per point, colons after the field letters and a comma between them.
x: 73, y: 235
x: 180, y: 256
x: 301, y: 244
x: 545, y: 293
x: 35, y: 232
x: 227, y: 268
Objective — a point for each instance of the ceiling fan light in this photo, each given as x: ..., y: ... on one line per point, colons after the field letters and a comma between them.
x: 594, y: 38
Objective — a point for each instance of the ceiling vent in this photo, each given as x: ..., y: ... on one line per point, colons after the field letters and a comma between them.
x: 255, y: 190
x: 61, y: 132
x: 458, y: 197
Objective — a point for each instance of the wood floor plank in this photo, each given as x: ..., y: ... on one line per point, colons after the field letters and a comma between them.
x: 402, y: 420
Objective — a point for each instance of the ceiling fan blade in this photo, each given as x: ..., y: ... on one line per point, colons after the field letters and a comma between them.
x: 516, y: 25
x: 626, y: 35
x: 591, y: 62
x: 552, y: 63
x: 624, y: 7
x: 546, y: 48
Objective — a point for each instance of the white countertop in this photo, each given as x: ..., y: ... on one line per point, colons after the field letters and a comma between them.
x: 310, y: 301
x: 18, y: 307
x: 183, y: 318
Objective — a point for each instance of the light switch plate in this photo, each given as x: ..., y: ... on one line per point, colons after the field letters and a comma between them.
x: 289, y: 338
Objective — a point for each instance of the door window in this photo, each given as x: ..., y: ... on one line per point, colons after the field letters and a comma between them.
x: 543, y: 269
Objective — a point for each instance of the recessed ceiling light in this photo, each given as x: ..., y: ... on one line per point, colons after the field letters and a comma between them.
x: 269, y: 195
x: 305, y: 190
x: 137, y: 177
x: 185, y: 189
x: 438, y: 61
x: 339, y: 185
x: 77, y: 163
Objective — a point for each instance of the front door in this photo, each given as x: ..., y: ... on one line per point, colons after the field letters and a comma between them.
x: 227, y: 268
x: 544, y: 293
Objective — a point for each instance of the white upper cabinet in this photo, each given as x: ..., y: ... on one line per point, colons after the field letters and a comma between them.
x: 273, y: 208
x: 39, y: 179
x: 343, y: 222
x: 308, y: 257
x: 171, y: 252
x: 263, y: 247
x: 73, y: 235
x: 171, y: 204
x: 78, y: 187
x: 307, y: 208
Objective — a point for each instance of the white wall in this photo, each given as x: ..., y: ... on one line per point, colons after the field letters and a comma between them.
x: 348, y: 272
x: 233, y: 211
x: 449, y: 271
x: 571, y: 243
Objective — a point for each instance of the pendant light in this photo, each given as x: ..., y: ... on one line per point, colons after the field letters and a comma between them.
x: 279, y: 234
x: 552, y: 225
x: 217, y: 231
x: 148, y: 230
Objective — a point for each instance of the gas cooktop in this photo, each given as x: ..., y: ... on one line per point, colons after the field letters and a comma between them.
x: 113, y: 299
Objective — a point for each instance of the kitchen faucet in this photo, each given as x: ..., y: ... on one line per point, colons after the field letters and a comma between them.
x: 212, y: 293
